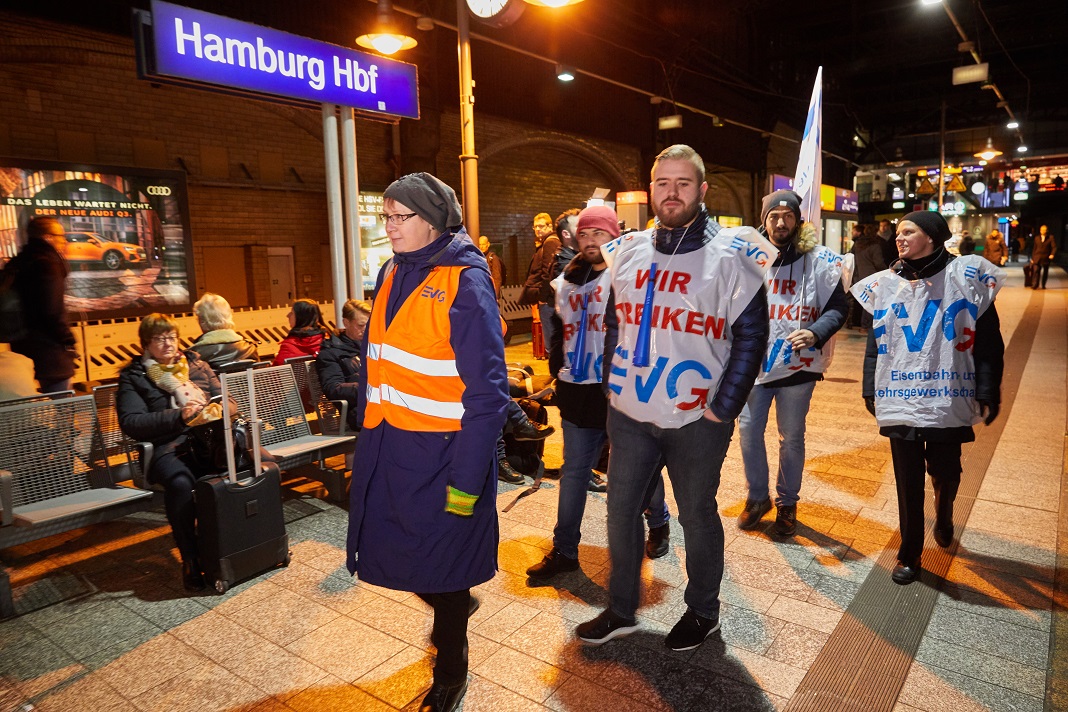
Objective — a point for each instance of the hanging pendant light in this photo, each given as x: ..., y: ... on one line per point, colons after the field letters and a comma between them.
x: 553, y: 3
x: 386, y: 39
x: 989, y: 153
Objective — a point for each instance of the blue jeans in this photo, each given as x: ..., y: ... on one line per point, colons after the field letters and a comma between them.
x: 694, y: 455
x: 546, y: 311
x: 582, y: 449
x: 791, y: 409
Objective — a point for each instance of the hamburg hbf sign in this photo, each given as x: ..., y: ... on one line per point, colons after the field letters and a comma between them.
x: 198, y: 47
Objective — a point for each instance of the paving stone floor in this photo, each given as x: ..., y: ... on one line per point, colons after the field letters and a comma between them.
x: 106, y: 625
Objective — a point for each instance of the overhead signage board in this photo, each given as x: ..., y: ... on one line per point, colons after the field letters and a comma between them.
x: 838, y: 200
x: 203, y: 48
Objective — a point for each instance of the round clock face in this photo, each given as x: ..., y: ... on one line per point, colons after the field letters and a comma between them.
x: 497, y: 13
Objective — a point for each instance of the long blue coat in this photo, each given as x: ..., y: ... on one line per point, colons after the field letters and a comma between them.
x: 400, y: 535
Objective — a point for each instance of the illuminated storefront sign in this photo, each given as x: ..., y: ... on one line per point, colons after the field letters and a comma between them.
x: 838, y: 200
x: 204, y: 48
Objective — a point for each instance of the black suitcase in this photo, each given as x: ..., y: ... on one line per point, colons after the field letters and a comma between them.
x: 1029, y: 274
x: 241, y: 530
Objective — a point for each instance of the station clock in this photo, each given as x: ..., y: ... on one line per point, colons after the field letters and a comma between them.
x: 496, y: 13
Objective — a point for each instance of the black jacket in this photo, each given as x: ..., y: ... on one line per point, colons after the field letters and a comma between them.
x: 222, y: 347
x: 339, y: 363
x: 749, y: 331
x: 582, y: 405
x: 832, y: 317
x: 41, y: 283
x: 988, y: 354
x: 144, y: 409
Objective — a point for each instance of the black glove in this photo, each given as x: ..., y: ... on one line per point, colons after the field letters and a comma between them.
x: 869, y: 403
x: 989, y: 411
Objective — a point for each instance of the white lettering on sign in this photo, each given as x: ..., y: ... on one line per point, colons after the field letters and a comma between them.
x: 261, y: 57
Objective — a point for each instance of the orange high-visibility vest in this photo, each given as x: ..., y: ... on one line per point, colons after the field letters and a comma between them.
x: 412, y: 381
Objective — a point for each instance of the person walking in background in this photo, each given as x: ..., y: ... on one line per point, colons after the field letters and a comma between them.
x: 808, y: 306
x: 498, y: 272
x: 219, y: 344
x: 423, y: 514
x: 536, y: 292
x: 687, y: 325
x: 41, y: 283
x: 868, y: 258
x: 1042, y: 253
x: 995, y: 249
x: 340, y: 360
x: 967, y: 243
x: 306, y: 332
x: 929, y: 286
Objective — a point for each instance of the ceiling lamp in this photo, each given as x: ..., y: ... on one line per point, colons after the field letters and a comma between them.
x: 1014, y: 124
x: 386, y: 39
x: 1021, y: 148
x: 565, y: 73
x: 989, y: 153
x: 553, y: 3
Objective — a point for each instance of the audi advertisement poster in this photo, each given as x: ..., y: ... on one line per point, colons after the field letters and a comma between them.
x: 127, y: 233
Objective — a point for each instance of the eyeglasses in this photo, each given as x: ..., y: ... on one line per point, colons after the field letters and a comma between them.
x: 396, y: 218
x: 165, y: 339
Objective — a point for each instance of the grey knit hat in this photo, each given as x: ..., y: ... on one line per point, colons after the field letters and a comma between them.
x: 931, y: 223
x: 429, y: 198
x: 781, y: 199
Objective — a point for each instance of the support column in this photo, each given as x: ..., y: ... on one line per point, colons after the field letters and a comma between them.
x: 468, y: 157
x: 333, y: 208
x: 352, y: 205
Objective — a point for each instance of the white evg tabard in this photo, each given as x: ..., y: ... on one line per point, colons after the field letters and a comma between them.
x: 797, y: 295
x: 585, y: 367
x: 696, y: 297
x: 925, y: 332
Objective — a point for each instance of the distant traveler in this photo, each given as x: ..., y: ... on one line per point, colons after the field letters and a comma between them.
x: 341, y: 359
x: 161, y: 394
x: 536, y: 292
x: 41, y: 283
x: 995, y: 249
x: 423, y: 512
x: 967, y: 244
x: 932, y: 370
x: 306, y: 332
x: 220, y: 345
x: 498, y: 272
x: 682, y: 348
x: 808, y: 306
x: 1042, y: 254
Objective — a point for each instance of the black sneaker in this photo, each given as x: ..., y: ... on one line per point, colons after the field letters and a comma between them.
x: 659, y: 541
x: 506, y: 473
x: 691, y: 631
x: 553, y: 563
x: 529, y: 430
x: 786, y: 520
x: 597, y: 484
x: 753, y: 512
x: 605, y: 627
x: 904, y: 574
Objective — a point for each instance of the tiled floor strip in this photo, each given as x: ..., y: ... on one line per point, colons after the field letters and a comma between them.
x: 1057, y: 676
x: 867, y: 658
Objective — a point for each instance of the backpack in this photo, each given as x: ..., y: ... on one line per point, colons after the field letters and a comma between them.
x: 525, y: 455
x: 12, y: 322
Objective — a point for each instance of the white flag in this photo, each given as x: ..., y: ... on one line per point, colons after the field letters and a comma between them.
x: 809, y: 172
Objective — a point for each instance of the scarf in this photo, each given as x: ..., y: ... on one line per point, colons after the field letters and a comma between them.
x: 174, y: 379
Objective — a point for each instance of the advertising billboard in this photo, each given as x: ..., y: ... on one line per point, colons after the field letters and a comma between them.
x: 128, y: 242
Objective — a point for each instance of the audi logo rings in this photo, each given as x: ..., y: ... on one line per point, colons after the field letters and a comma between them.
x: 158, y: 190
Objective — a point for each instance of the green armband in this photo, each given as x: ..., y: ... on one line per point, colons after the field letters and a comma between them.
x: 460, y: 503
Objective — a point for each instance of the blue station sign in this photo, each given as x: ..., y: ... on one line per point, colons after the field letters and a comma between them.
x: 200, y: 47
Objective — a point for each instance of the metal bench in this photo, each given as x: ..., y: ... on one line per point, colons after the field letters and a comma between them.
x: 54, y: 475
x: 125, y: 456
x: 286, y: 433
x: 332, y: 414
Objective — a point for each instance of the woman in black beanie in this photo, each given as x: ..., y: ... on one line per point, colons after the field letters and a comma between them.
x: 932, y: 370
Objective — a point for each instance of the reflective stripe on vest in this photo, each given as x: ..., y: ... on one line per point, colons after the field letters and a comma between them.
x: 412, y: 381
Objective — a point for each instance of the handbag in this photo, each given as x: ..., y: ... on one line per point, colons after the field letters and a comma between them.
x: 207, y: 445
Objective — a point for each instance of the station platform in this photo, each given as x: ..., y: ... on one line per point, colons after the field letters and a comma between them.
x: 810, y: 623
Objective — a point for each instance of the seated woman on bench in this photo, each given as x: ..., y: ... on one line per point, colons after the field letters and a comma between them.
x: 161, y: 395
